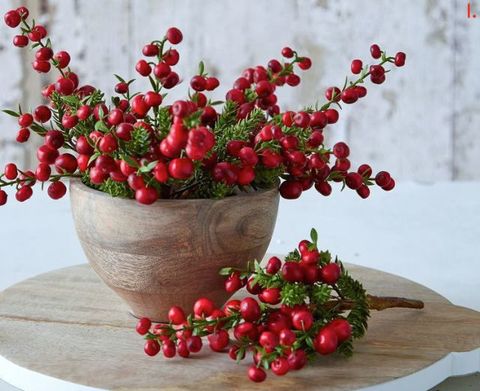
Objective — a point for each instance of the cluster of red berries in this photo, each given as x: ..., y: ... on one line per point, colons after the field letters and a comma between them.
x: 139, y: 148
x: 296, y: 314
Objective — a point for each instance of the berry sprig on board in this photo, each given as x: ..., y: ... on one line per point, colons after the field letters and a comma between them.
x: 135, y: 145
x: 304, y: 306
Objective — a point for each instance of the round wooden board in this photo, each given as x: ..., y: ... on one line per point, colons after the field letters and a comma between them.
x: 65, y: 330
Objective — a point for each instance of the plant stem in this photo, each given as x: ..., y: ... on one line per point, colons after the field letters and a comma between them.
x: 377, y: 303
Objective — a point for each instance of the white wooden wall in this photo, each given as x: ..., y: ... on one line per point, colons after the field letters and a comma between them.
x: 423, y: 124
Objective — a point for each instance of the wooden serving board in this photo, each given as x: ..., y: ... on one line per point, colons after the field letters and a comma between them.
x: 65, y: 330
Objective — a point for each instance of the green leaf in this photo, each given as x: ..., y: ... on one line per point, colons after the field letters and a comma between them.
x: 120, y: 79
x: 130, y: 161
x: 314, y: 236
x: 100, y: 125
x: 225, y: 271
x: 12, y: 113
x: 201, y: 68
x: 93, y: 158
x: 149, y: 167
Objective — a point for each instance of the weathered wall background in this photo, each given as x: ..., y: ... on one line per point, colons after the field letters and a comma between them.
x: 422, y: 124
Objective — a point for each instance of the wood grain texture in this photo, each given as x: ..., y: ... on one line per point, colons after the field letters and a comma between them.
x: 77, y: 330
x: 170, y: 252
x: 421, y: 125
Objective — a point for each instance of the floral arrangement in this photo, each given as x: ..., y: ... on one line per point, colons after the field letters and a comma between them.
x: 136, y: 146
x: 309, y: 305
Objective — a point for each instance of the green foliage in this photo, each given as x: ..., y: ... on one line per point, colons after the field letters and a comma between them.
x: 353, y: 290
x: 116, y: 189
x: 293, y: 256
x: 293, y: 294
x: 164, y: 121
x: 320, y: 294
x: 140, y: 142
x: 267, y: 178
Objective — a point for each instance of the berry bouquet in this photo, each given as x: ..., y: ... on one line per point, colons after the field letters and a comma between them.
x: 136, y: 146
x: 309, y: 304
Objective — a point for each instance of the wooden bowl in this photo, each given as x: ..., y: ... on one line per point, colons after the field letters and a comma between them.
x: 169, y: 253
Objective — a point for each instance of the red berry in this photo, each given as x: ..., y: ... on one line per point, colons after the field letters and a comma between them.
x: 330, y: 273
x: 363, y: 191
x: 65, y: 86
x: 24, y: 12
x: 333, y: 94
x: 292, y: 80
x: 291, y: 190
x: 353, y: 180
x: 11, y: 171
x: 301, y: 119
x: 181, y: 168
x: 332, y: 115
x: 349, y: 96
x: 43, y: 172
x: 12, y: 18
x: 280, y: 366
x: 24, y: 193
x: 250, y: 309
x: 287, y: 337
x: 20, y: 41
x: 357, y: 66
x: 273, y: 265
x: 292, y: 272
x: 342, y: 329
x: 268, y: 340
x: 146, y: 195
x: 161, y: 70
x: 143, y: 325
x: 150, y: 50
x: 25, y: 120
x: 375, y: 51
x: 3, y: 197
x: 302, y: 320
x: 152, y: 347
x: 264, y: 88
x: 297, y: 359
x: 160, y: 172
x: 218, y: 341
x: 57, y: 190
x: 174, y: 35
x: 171, y: 80
x: 182, y: 348
x: 233, y: 283
x: 341, y: 150
x: 377, y: 71
x: 198, y: 83
x: 324, y: 188
x: 235, y: 353
x: 97, y: 176
x: 115, y: 117
x: 211, y: 83
x: 389, y: 186
x: 287, y: 52
x: 62, y: 58
x: 176, y: 315
x: 42, y: 114
x: 203, y: 307
x: 326, y: 341
x: 46, y: 154
x: 66, y: 163
x: 256, y: 374
x: 153, y: 99
x: 253, y: 288
x: 143, y: 68
x: 361, y: 91
x: 194, y: 343
x: 305, y: 63
x: 231, y: 307
x: 382, y: 178
x: 108, y: 143
x: 171, y: 57
x: 270, y: 296
x: 274, y: 66
x: 400, y: 59
x: 168, y: 348
x: 44, y: 54
x: 318, y: 119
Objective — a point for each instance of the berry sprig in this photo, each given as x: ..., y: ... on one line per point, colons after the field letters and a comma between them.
x: 300, y: 307
x: 137, y: 146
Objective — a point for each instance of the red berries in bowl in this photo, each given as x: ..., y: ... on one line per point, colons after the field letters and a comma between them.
x: 194, y: 147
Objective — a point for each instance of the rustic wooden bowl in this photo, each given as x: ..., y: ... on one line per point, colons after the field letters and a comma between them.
x: 169, y: 253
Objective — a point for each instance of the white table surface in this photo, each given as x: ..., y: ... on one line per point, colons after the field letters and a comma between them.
x: 429, y: 233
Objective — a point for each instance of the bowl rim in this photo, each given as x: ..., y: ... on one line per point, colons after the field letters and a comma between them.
x: 78, y: 185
